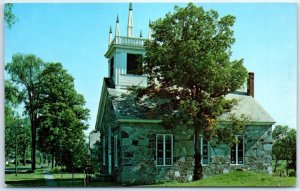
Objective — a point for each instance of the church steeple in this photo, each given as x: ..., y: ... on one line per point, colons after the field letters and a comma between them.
x: 110, y: 36
x: 125, y: 55
x: 130, y: 22
x: 117, y: 27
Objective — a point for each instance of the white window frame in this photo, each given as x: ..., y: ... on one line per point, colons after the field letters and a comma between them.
x: 201, y: 147
x: 116, y: 150
x: 164, y: 149
x: 103, y: 152
x: 236, y: 151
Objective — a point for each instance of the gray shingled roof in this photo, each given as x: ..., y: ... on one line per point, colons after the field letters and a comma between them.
x: 125, y: 107
x: 248, y: 106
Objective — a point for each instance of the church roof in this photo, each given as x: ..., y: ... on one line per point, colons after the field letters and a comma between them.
x: 248, y: 106
x: 125, y: 107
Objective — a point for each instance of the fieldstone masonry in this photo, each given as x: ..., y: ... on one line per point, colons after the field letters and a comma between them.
x: 137, y: 154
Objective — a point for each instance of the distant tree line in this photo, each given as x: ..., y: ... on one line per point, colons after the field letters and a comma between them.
x: 54, y: 114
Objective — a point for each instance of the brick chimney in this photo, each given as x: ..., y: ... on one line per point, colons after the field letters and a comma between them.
x: 250, y: 84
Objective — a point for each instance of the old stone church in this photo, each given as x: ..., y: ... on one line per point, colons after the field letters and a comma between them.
x: 136, y: 149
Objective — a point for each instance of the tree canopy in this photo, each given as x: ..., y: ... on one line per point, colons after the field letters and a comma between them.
x: 189, y: 67
x: 57, y: 113
x: 24, y: 73
x: 62, y: 114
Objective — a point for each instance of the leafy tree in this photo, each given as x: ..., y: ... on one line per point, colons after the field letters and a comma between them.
x: 284, y: 146
x: 190, y: 71
x: 62, y: 115
x: 12, y: 119
x: 24, y: 71
x: 9, y: 17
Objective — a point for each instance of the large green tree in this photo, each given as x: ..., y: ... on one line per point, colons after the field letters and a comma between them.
x: 24, y: 71
x: 62, y: 115
x: 284, y: 146
x: 189, y: 68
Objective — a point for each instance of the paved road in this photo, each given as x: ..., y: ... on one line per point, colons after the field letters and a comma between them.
x: 49, y: 180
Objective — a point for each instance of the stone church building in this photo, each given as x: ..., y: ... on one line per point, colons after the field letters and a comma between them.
x: 136, y: 149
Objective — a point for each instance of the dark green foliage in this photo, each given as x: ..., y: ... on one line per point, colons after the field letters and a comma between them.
x: 189, y: 68
x: 284, y: 146
x: 24, y: 72
x: 56, y: 111
x: 9, y: 16
x: 62, y: 116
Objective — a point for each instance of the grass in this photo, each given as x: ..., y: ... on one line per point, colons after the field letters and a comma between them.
x: 233, y: 179
x: 237, y: 179
x: 65, y: 179
x: 25, y: 179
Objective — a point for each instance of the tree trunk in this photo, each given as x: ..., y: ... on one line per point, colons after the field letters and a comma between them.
x: 276, y: 161
x: 52, y: 162
x: 198, y: 166
x: 33, y: 146
x: 33, y: 141
x: 24, y: 156
x: 287, y: 168
x: 16, y: 157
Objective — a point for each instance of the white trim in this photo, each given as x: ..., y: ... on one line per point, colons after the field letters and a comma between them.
x: 164, y: 149
x: 236, y: 151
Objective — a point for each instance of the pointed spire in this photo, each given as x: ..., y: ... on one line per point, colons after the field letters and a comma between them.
x: 141, y: 34
x: 150, y: 31
x: 110, y: 36
x: 130, y: 6
x: 117, y: 27
x: 130, y: 22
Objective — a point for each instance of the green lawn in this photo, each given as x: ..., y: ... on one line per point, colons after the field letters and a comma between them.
x: 65, y: 179
x: 237, y: 179
x: 25, y: 179
x: 233, y: 179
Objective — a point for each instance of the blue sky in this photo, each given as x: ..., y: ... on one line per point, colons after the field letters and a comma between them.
x: 76, y: 35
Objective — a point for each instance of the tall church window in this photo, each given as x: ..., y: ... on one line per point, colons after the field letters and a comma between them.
x: 164, y: 149
x: 134, y: 64
x: 237, y: 151
x: 204, y: 151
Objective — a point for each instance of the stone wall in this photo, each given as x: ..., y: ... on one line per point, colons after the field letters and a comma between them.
x: 257, y: 153
x: 137, y: 154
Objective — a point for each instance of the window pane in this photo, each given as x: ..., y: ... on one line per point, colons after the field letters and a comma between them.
x: 168, y: 147
x: 205, y: 152
x: 240, y: 150
x: 233, y: 154
x: 134, y: 64
x: 160, y: 148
